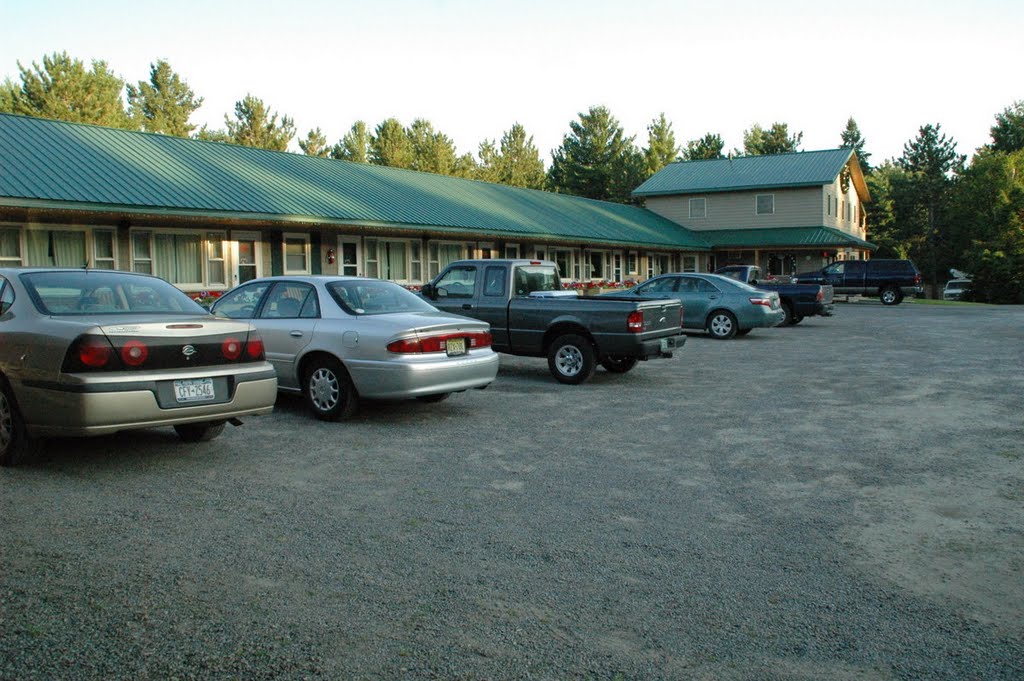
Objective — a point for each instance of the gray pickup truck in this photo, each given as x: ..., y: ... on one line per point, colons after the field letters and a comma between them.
x: 531, y: 315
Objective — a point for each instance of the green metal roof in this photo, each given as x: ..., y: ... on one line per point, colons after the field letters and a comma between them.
x: 799, y: 169
x: 793, y: 237
x: 53, y: 164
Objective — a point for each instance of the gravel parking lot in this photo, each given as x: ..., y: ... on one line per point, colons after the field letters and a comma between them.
x: 843, y: 499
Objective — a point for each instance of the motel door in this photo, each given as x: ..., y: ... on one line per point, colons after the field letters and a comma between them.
x: 246, y: 257
x: 348, y: 257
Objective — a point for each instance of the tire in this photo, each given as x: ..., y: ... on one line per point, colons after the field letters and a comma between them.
x: 790, y: 317
x: 891, y: 295
x: 722, y: 324
x: 433, y: 399
x: 618, y: 364
x: 797, y: 319
x: 329, y: 392
x: 16, y: 446
x: 571, y: 359
x: 199, y: 432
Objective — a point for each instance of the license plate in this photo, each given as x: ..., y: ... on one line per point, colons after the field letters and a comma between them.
x: 668, y: 344
x: 194, y: 390
x: 455, y: 346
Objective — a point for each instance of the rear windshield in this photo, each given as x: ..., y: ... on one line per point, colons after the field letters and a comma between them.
x: 371, y: 296
x: 530, y: 278
x: 95, y: 292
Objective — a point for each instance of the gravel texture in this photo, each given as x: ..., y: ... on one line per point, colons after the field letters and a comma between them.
x: 843, y: 499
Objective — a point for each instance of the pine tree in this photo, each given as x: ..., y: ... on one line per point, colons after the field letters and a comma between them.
x: 775, y: 140
x: 852, y: 139
x: 64, y: 89
x: 708, y: 147
x: 432, y: 151
x: 164, y: 104
x: 596, y: 159
x: 931, y: 163
x: 390, y: 146
x: 354, y: 146
x: 519, y: 162
x: 661, y: 145
x: 488, y: 168
x: 315, y: 144
x: 1008, y: 132
x: 256, y: 126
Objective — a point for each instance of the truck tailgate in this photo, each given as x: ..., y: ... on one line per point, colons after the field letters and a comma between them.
x: 661, y: 315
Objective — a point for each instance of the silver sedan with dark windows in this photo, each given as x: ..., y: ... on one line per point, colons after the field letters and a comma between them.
x: 724, y: 307
x: 92, y: 352
x: 339, y: 339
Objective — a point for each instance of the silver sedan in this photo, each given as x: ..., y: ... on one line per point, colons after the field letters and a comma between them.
x: 90, y: 352
x: 722, y: 306
x: 339, y: 339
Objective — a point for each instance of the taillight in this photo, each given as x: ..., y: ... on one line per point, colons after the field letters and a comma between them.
x: 231, y: 348
x: 405, y: 346
x: 821, y: 294
x: 439, y: 343
x: 635, y: 321
x: 254, y: 346
x: 94, y: 352
x: 680, y: 315
x: 134, y: 353
x: 917, y: 279
x: 761, y: 301
x: 90, y: 353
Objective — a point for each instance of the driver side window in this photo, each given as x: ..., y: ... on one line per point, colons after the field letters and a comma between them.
x: 458, y: 282
x: 835, y: 268
x: 240, y: 303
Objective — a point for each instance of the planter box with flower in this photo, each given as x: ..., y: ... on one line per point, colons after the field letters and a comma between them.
x: 597, y: 287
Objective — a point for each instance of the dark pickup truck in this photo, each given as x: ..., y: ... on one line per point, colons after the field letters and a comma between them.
x: 890, y: 280
x: 531, y: 315
x: 798, y: 300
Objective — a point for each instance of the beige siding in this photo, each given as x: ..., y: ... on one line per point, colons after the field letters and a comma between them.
x: 735, y: 210
x: 847, y: 215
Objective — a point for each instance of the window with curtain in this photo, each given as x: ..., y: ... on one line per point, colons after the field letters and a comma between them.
x: 10, y: 246
x: 415, y: 261
x: 103, y: 249
x: 394, y: 261
x: 176, y: 258
x: 142, y: 256
x: 441, y: 254
x: 215, y: 264
x: 55, y: 248
x: 372, y: 258
x: 296, y: 259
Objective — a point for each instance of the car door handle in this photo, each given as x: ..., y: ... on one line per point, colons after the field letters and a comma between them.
x: 295, y: 334
x: 467, y: 306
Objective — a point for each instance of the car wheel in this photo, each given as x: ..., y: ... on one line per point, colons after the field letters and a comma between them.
x: 15, y: 443
x: 571, y: 359
x: 618, y: 364
x: 797, y: 319
x: 431, y: 399
x: 199, y: 432
x: 329, y: 391
x: 722, y: 324
x: 891, y: 296
x: 790, y: 317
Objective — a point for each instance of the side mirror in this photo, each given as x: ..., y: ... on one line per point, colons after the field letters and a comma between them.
x: 428, y: 291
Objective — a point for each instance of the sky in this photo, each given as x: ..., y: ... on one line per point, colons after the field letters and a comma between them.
x: 473, y: 69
